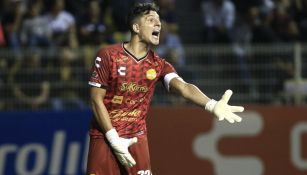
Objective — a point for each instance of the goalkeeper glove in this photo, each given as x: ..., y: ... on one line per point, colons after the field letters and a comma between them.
x: 224, y: 111
x: 120, y: 146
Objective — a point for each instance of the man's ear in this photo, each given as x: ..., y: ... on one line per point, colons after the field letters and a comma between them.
x: 136, y: 28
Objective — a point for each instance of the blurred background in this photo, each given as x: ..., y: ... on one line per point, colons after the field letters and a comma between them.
x: 257, y: 48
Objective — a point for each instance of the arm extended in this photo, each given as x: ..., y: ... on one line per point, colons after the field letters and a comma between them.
x: 219, y: 108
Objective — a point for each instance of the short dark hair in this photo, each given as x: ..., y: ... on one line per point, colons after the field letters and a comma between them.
x: 138, y: 10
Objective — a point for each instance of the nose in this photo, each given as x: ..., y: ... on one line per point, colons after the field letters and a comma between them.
x: 158, y: 24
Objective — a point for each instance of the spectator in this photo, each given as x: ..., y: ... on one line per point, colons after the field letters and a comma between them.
x: 35, y: 30
x: 259, y: 23
x: 93, y: 31
x: 282, y: 23
x: 29, y: 83
x: 299, y: 14
x: 62, y: 25
x: 167, y: 14
x: 119, y: 11
x: 218, y: 20
x: 67, y: 75
x: 11, y: 21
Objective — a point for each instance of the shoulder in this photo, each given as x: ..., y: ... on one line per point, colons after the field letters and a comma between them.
x: 112, y: 47
x: 160, y: 60
x: 154, y: 55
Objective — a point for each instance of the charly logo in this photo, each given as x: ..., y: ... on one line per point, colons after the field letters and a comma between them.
x: 132, y: 87
x: 151, y: 74
x: 121, y: 70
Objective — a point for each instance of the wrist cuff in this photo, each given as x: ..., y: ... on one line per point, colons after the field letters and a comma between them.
x: 111, y: 135
x: 210, y: 105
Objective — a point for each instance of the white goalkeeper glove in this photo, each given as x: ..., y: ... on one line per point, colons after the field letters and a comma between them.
x: 224, y: 111
x: 120, y: 146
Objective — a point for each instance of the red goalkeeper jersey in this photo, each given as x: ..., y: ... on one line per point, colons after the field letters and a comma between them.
x: 129, y: 84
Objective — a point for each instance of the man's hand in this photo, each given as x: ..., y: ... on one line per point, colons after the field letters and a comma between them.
x: 224, y: 111
x: 120, y: 147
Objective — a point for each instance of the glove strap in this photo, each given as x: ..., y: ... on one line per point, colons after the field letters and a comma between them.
x: 210, y: 105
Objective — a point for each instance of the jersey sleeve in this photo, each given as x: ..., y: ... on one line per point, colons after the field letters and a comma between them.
x: 167, y: 68
x: 168, y: 73
x: 100, y: 71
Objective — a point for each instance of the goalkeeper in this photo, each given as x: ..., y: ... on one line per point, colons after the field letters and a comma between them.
x: 122, y: 83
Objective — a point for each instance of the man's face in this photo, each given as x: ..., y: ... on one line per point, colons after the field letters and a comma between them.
x: 149, y: 27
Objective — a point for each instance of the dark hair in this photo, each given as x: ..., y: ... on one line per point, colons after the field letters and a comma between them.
x: 138, y: 10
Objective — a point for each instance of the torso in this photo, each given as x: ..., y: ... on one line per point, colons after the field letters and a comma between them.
x: 130, y: 87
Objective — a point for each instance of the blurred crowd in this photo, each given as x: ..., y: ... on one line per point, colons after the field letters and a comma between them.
x: 251, y: 22
x: 97, y: 22
x: 65, y: 23
x: 53, y: 43
x: 57, y: 40
x: 255, y: 21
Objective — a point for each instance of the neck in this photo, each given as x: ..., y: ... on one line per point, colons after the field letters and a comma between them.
x: 136, y: 47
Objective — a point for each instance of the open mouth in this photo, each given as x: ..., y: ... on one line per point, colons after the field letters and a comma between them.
x: 155, y: 33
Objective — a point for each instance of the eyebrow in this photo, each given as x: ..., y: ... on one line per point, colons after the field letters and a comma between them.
x: 151, y: 15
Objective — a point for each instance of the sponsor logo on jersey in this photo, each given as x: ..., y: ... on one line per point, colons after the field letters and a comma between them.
x: 122, y: 115
x: 121, y: 59
x: 151, y: 74
x: 121, y: 70
x: 131, y: 101
x: 132, y: 87
x: 117, y: 99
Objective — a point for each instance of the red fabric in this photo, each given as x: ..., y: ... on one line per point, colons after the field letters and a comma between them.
x: 101, y: 160
x: 129, y: 87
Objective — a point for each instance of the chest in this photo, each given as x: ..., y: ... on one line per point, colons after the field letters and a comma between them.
x: 142, y: 72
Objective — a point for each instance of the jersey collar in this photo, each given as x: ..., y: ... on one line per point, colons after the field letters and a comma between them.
x: 132, y: 56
